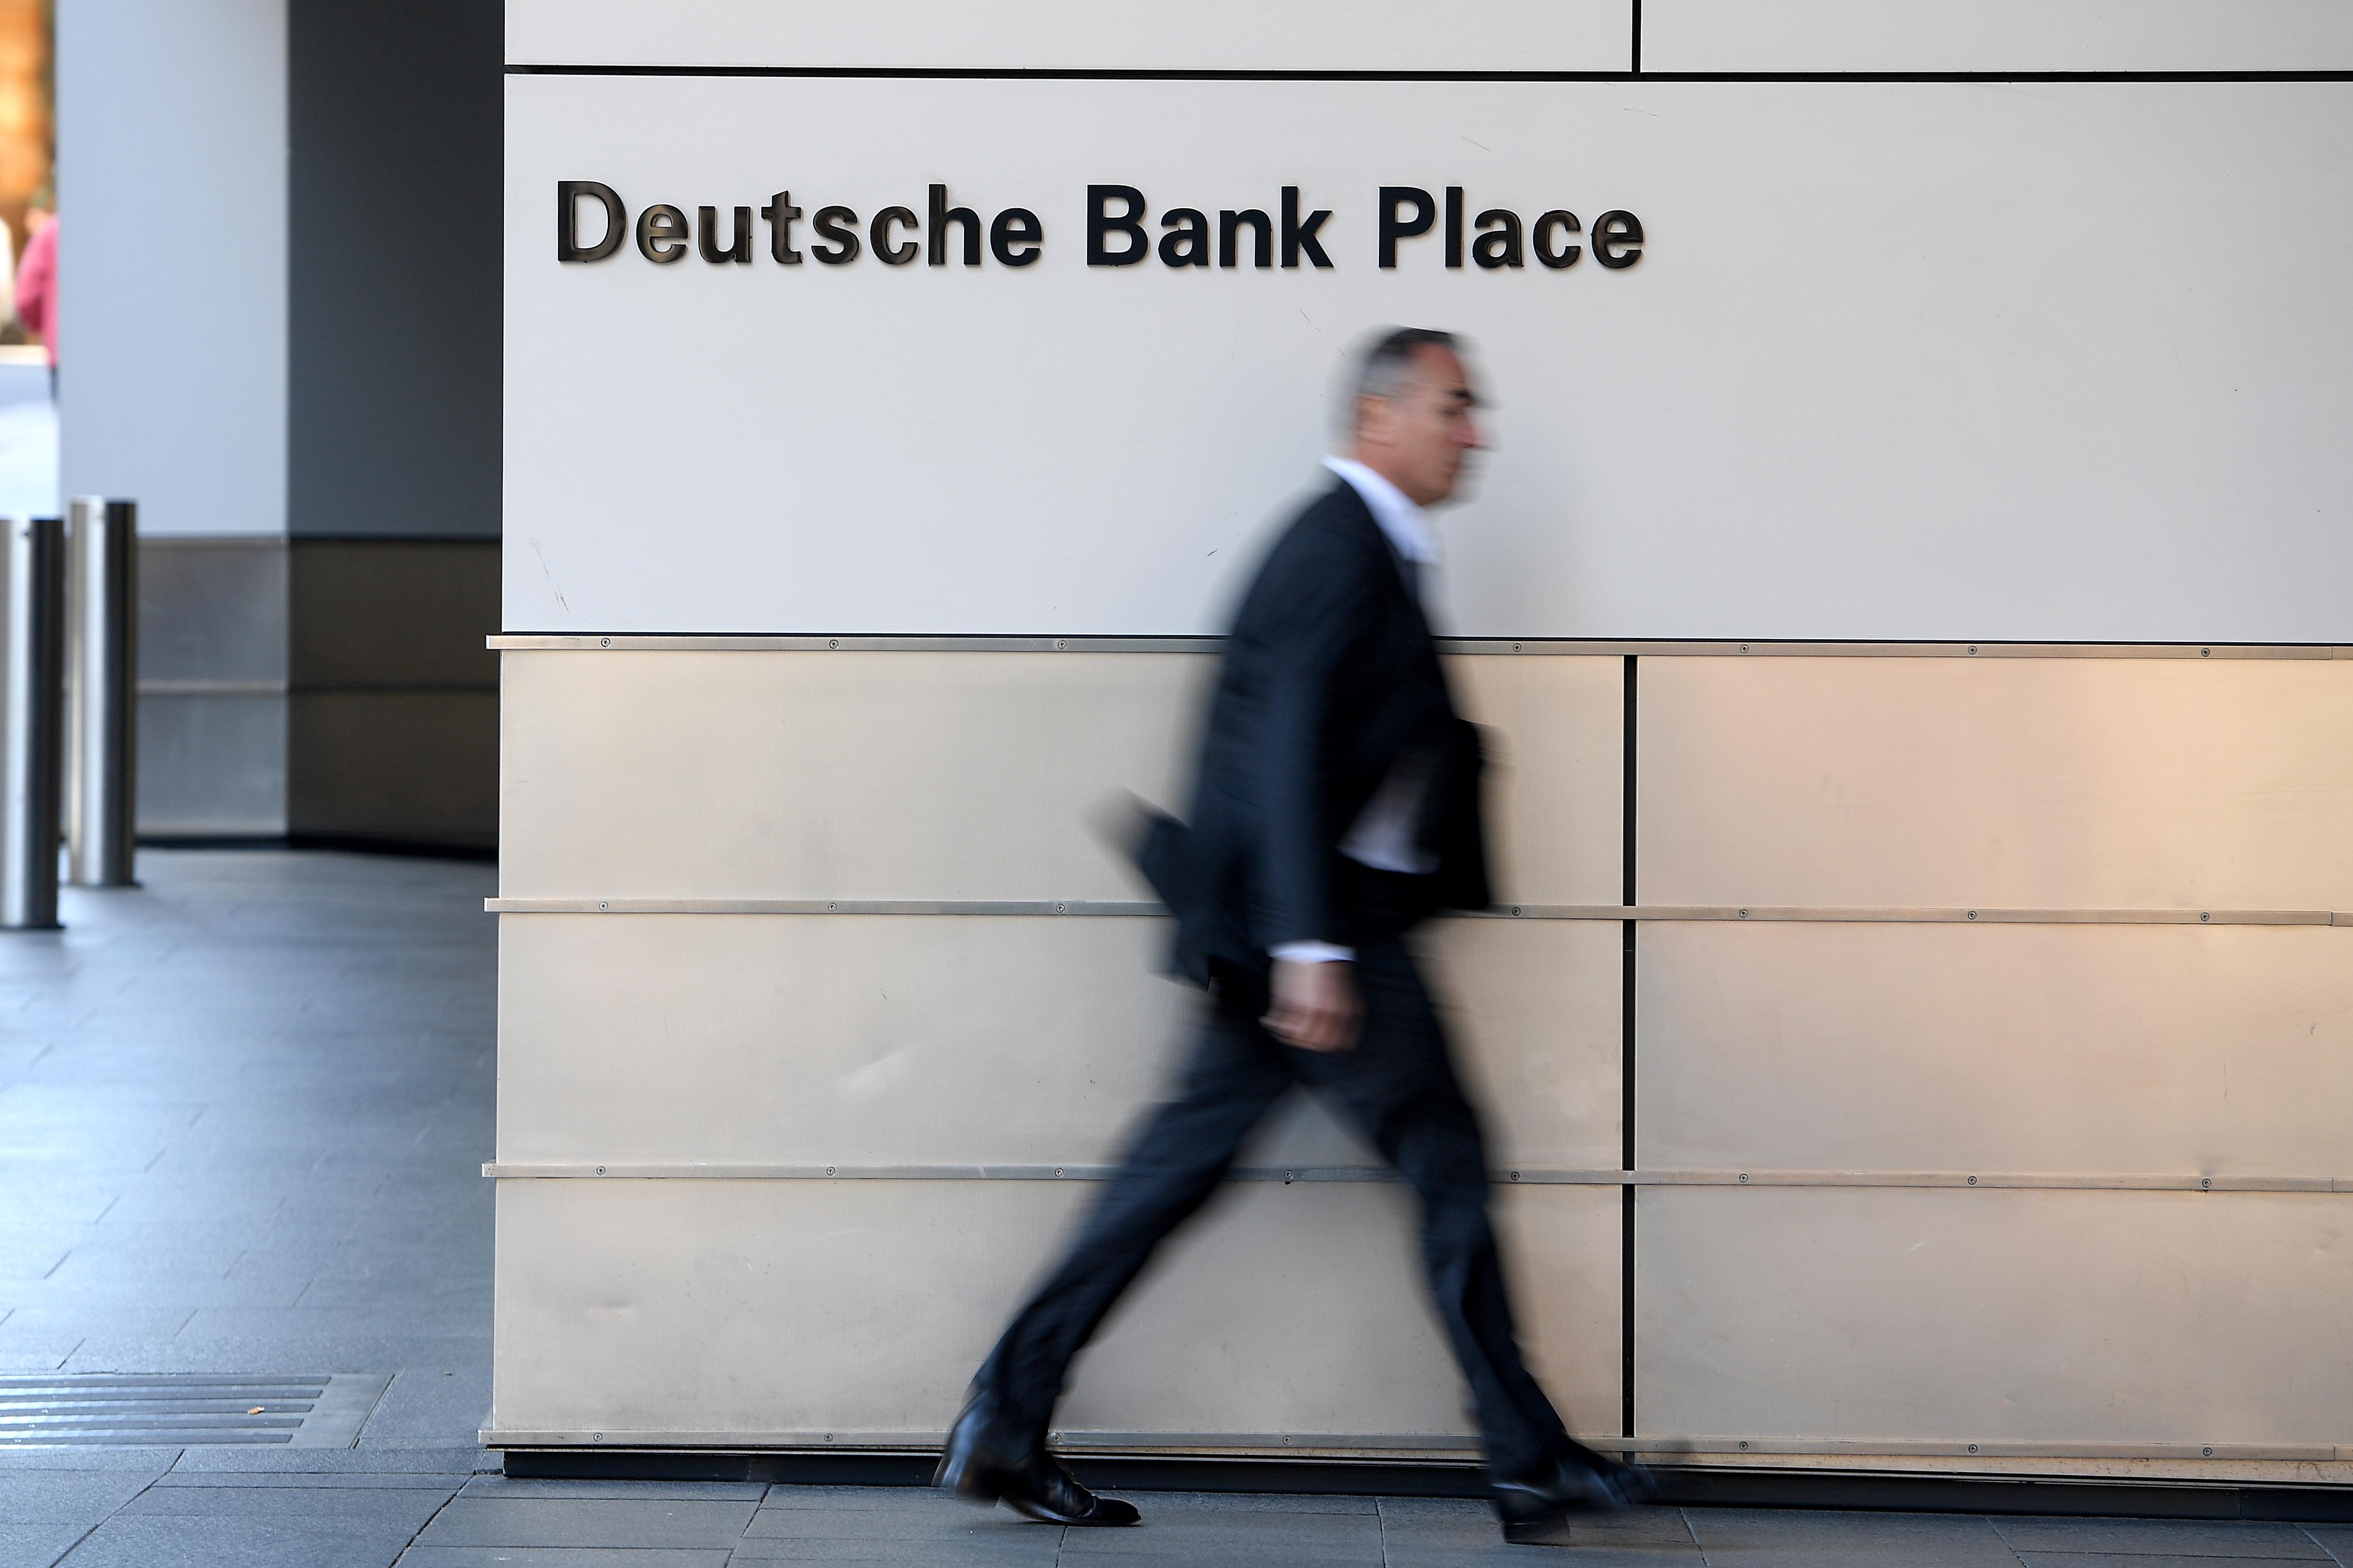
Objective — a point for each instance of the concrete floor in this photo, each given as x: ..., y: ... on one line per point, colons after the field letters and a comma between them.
x: 242, y: 1114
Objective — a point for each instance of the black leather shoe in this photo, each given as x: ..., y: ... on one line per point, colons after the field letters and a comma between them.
x: 987, y: 1461
x: 1539, y: 1513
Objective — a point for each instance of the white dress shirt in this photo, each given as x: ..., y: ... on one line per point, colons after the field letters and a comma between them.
x: 1383, y: 834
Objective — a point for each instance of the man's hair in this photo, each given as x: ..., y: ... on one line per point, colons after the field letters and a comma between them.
x: 1387, y: 364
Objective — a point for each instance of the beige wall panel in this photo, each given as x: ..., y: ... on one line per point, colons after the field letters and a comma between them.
x: 972, y: 1039
x: 1880, y: 1316
x: 2071, y: 782
x: 780, y: 1307
x: 947, y: 775
x: 2130, y: 1049
x: 1556, y: 737
x: 1996, y: 36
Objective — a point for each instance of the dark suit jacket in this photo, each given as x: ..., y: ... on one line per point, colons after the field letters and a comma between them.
x: 1329, y: 680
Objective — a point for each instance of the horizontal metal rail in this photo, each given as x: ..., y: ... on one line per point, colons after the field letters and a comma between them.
x: 1570, y: 648
x: 1926, y: 915
x: 1441, y: 1445
x: 1525, y: 1176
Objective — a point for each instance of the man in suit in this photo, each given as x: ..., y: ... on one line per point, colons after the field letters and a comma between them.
x: 1337, y: 805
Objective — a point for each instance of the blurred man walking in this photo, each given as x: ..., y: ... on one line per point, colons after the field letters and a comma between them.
x: 1337, y: 805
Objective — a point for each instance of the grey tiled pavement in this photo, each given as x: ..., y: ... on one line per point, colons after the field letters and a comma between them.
x: 242, y: 1113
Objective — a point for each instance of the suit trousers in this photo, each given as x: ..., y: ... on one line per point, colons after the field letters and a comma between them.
x: 1399, y: 1086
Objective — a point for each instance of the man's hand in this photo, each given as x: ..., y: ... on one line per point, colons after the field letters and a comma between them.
x: 1314, y: 1005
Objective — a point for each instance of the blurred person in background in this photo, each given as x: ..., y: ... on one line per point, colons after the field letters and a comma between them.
x: 36, y: 286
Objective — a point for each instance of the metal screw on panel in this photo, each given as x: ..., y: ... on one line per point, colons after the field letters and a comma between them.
x: 1744, y: 1175
x: 1516, y: 908
x: 833, y: 641
x: 2205, y: 1184
x: 1743, y: 647
x: 2205, y: 915
x: 1744, y: 1447
x: 1061, y: 909
x: 1973, y: 914
x: 1060, y: 645
x: 1973, y: 647
x: 2207, y: 1452
x: 1515, y: 647
x: 1973, y: 1181
x: 1516, y: 1176
x: 1058, y: 1170
x: 1289, y: 1178
x: 829, y: 1170
x: 1973, y: 1448
x: 833, y: 906
x: 604, y: 642
x: 1743, y: 914
x: 2206, y: 653
x: 596, y: 1437
x: 604, y: 903
x: 600, y: 1170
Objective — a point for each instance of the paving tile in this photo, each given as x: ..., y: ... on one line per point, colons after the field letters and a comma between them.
x: 450, y: 1404
x: 167, y: 1542
x: 1036, y: 1546
x: 934, y: 1524
x: 457, y: 1462
x: 587, y: 1521
x: 36, y: 1543
x: 2143, y: 1559
x: 1308, y: 1539
x: 2337, y: 1539
x: 300, y: 1481
x: 30, y: 1495
x: 2161, y: 1538
x: 156, y: 1460
x: 703, y: 1491
x: 560, y: 1557
x: 782, y: 1495
x: 357, y: 1510
x: 1794, y: 1537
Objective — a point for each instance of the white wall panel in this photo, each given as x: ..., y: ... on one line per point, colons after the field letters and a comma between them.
x: 1228, y: 35
x: 932, y: 1040
x: 2081, y: 1049
x: 1900, y: 360
x: 171, y: 161
x: 1879, y: 1316
x: 2065, y: 782
x: 954, y: 775
x: 1996, y: 36
x: 743, y: 1309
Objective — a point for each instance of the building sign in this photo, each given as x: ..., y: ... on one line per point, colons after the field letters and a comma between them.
x: 1116, y: 228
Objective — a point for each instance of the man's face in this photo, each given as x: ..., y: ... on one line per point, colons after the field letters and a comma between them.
x: 1419, y: 439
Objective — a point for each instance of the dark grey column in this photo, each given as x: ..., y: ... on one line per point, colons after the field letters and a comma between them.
x: 31, y: 759
x: 102, y: 613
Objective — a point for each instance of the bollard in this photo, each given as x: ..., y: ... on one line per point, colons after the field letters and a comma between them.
x: 103, y: 653
x: 34, y: 693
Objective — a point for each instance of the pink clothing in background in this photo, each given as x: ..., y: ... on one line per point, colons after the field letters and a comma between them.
x: 37, y: 286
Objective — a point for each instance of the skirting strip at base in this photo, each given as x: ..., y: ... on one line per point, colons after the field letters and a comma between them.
x: 1686, y: 1485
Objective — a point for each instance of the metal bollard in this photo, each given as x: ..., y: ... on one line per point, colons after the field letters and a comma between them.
x: 35, y: 697
x: 103, y: 679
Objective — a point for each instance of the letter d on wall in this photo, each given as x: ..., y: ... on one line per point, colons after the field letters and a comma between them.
x: 567, y: 220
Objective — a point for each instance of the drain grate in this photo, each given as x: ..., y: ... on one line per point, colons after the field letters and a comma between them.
x: 174, y: 1409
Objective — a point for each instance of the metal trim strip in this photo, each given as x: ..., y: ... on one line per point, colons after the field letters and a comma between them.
x: 1434, y: 1444
x: 524, y: 905
x: 1573, y: 648
x: 1525, y: 1176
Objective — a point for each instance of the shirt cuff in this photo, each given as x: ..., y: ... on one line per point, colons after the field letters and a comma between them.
x: 1312, y: 952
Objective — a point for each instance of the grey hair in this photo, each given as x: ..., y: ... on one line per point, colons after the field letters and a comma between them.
x: 1386, y: 365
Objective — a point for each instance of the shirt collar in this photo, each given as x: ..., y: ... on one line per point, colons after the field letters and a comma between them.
x: 1406, y: 525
